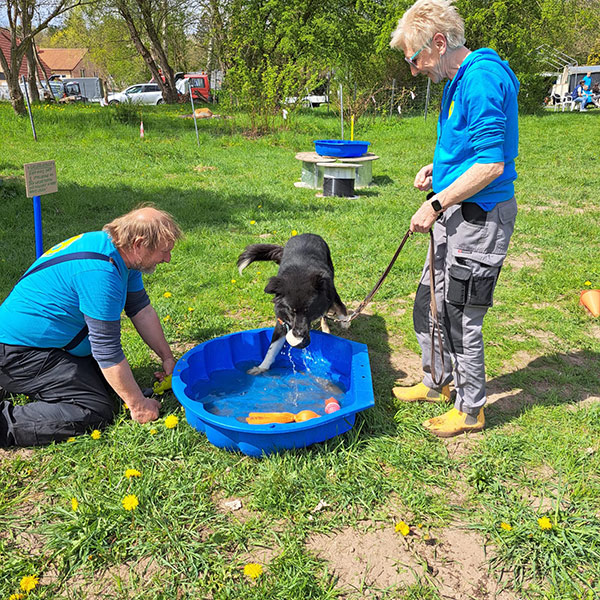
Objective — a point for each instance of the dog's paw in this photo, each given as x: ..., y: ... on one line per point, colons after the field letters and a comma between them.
x: 256, y: 371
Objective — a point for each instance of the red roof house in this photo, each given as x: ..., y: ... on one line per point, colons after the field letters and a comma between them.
x: 72, y: 62
x: 5, y: 49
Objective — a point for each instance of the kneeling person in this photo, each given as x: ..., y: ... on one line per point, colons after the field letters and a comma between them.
x: 60, y: 330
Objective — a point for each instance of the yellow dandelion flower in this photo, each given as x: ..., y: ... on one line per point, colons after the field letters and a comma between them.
x: 402, y: 528
x: 171, y: 421
x: 233, y: 281
x: 190, y: 309
x: 260, y: 206
x: 96, y: 434
x: 29, y: 582
x: 588, y: 283
x: 253, y: 570
x: 167, y: 318
x: 129, y: 473
x: 420, y: 525
x: 130, y: 502
x: 16, y: 597
x: 71, y: 439
x: 506, y: 526
x: 74, y: 503
x: 252, y: 222
x: 167, y: 294
x: 153, y: 431
x: 544, y: 523
x: 294, y: 232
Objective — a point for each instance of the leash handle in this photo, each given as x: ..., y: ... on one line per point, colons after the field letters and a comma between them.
x: 435, y: 322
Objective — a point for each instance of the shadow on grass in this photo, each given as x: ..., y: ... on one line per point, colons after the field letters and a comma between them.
x: 76, y: 209
x: 550, y: 380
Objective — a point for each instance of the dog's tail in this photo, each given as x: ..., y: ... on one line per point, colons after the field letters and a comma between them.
x: 259, y: 252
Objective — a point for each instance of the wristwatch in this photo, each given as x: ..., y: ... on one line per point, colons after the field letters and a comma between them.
x: 436, y: 205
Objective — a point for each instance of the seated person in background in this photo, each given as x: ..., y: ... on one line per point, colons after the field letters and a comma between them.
x: 576, y: 94
x: 583, y: 99
x: 60, y: 330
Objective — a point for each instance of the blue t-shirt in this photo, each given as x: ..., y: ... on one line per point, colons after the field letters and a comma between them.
x: 479, y: 124
x: 46, y: 309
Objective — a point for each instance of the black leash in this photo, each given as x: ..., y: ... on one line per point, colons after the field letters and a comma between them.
x: 370, y: 295
x: 436, y: 327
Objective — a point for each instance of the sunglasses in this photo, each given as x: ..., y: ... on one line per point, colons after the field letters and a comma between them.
x: 411, y: 60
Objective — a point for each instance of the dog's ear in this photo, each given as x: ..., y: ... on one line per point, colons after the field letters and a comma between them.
x: 321, y: 281
x: 274, y: 286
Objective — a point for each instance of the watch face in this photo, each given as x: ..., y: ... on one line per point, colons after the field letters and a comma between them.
x: 435, y: 204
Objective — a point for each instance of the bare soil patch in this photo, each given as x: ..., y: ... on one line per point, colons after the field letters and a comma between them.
x: 370, y: 559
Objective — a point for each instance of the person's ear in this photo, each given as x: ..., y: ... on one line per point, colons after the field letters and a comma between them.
x: 440, y: 43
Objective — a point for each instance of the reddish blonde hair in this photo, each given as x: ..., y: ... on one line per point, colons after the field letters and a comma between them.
x: 153, y: 227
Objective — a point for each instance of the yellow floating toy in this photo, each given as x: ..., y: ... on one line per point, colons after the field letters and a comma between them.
x: 160, y: 387
x: 305, y: 415
x: 260, y: 418
x: 264, y: 418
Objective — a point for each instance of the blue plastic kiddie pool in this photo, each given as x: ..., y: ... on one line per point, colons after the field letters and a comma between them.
x: 341, y: 148
x: 211, y: 383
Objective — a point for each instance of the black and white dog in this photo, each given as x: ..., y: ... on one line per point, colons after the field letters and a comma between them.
x: 303, y: 288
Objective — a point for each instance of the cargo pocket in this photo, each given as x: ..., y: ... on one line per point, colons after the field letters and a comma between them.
x: 482, y: 291
x: 458, y: 284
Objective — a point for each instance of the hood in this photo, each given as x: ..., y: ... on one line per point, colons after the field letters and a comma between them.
x: 489, y: 55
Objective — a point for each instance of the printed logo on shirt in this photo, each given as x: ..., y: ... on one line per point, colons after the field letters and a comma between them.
x: 451, y: 109
x: 62, y: 245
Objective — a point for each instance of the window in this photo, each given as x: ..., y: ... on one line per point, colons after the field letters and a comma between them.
x: 81, y: 72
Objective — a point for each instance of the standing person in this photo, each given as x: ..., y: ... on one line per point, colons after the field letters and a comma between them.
x: 587, y: 80
x: 472, y: 208
x: 60, y: 330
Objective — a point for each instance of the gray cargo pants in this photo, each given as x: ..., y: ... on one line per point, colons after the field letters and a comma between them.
x: 470, y: 245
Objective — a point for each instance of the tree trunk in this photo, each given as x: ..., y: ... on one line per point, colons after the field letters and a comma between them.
x: 16, y: 95
x: 34, y: 94
x: 168, y: 85
x: 137, y: 41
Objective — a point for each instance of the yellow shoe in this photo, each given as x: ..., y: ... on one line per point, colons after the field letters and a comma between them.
x: 421, y: 392
x: 453, y: 423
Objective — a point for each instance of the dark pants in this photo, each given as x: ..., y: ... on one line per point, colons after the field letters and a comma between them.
x: 68, y: 394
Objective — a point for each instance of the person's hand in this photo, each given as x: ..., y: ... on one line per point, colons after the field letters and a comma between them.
x: 424, y: 218
x: 145, y: 410
x: 424, y: 178
x: 168, y: 366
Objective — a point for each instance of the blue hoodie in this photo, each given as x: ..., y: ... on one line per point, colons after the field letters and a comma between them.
x: 479, y: 124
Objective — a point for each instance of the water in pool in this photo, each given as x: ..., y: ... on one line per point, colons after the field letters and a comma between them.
x: 286, y: 387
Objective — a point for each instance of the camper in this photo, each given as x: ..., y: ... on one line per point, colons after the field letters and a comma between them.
x: 571, y: 75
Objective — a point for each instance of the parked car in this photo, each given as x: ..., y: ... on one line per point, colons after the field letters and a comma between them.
x: 200, y: 84
x: 140, y: 93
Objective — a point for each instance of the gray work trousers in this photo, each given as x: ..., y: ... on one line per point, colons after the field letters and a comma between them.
x: 470, y: 246
x: 68, y: 394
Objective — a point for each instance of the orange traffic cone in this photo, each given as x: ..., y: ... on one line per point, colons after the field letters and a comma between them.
x: 591, y: 300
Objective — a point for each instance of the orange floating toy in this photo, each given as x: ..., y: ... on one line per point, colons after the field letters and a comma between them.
x: 258, y: 418
x: 305, y: 415
x: 591, y: 300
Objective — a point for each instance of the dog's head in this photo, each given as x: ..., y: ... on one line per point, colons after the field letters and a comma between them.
x: 299, y: 301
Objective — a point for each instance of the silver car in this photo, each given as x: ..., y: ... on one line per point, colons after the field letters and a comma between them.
x: 140, y: 93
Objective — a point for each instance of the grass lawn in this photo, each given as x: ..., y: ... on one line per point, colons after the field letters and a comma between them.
x: 325, y: 522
